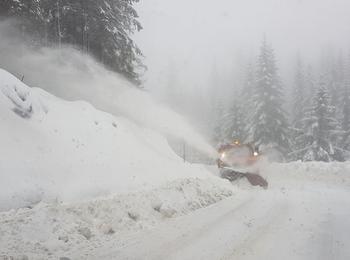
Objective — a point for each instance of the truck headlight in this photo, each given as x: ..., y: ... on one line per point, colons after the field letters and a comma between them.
x: 223, y: 155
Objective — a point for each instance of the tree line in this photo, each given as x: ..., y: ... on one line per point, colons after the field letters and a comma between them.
x: 317, y: 125
x: 102, y: 28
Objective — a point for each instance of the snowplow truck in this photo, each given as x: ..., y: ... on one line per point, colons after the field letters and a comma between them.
x: 239, y: 161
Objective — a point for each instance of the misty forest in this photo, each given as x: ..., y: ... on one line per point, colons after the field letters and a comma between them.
x: 100, y: 28
x: 117, y: 115
x: 305, y: 120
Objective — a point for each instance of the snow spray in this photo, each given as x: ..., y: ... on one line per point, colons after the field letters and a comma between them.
x: 72, y: 75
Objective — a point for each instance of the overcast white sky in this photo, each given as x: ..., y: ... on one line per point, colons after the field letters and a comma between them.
x: 192, y: 35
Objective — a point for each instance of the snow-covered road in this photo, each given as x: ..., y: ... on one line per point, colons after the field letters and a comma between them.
x: 302, y: 223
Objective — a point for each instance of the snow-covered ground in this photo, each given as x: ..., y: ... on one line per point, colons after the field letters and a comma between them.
x: 83, y: 184
x: 303, y: 215
x: 68, y: 170
x: 77, y: 230
x: 54, y: 150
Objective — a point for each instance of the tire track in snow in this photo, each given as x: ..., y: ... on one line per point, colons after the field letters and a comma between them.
x: 176, y: 234
x: 209, y: 232
x: 297, y: 224
x: 269, y: 222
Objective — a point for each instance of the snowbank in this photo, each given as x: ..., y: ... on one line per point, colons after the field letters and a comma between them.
x: 79, y: 230
x: 304, y: 174
x: 57, y: 230
x: 54, y: 150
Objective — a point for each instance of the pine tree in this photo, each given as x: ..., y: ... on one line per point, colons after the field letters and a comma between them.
x: 346, y: 107
x: 101, y: 28
x: 299, y: 94
x: 117, y: 20
x: 336, y: 81
x: 269, y: 124
x: 311, y: 87
x: 237, y: 112
x: 247, y: 103
x: 299, y: 102
x: 321, y: 131
x: 29, y: 17
x: 234, y: 123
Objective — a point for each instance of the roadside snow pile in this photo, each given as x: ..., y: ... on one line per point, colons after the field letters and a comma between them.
x: 54, y: 150
x: 59, y: 230
x: 302, y: 173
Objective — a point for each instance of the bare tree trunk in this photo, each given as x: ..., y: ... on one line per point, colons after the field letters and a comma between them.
x: 59, y: 24
x: 83, y: 26
x: 86, y: 30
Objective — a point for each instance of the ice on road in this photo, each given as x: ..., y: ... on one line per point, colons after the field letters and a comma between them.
x: 308, y: 222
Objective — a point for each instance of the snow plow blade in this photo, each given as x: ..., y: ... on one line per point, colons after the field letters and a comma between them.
x: 253, y: 178
x: 256, y: 180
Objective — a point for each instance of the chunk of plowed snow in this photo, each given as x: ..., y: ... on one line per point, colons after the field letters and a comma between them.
x: 72, y: 229
x: 22, y: 99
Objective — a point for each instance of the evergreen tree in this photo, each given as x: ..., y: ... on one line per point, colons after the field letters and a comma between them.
x: 336, y: 82
x: 118, y: 19
x: 29, y: 17
x: 346, y: 107
x: 269, y: 124
x: 321, y: 131
x: 247, y: 104
x: 299, y: 102
x: 239, y: 112
x: 311, y: 87
x: 234, y: 123
x: 101, y: 28
x: 299, y: 94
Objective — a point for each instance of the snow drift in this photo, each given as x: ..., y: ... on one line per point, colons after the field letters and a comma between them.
x: 54, y: 150
x: 306, y: 174
x: 58, y: 230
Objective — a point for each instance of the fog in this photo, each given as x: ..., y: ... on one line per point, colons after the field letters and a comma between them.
x: 195, y: 37
x: 196, y: 52
x: 71, y: 75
